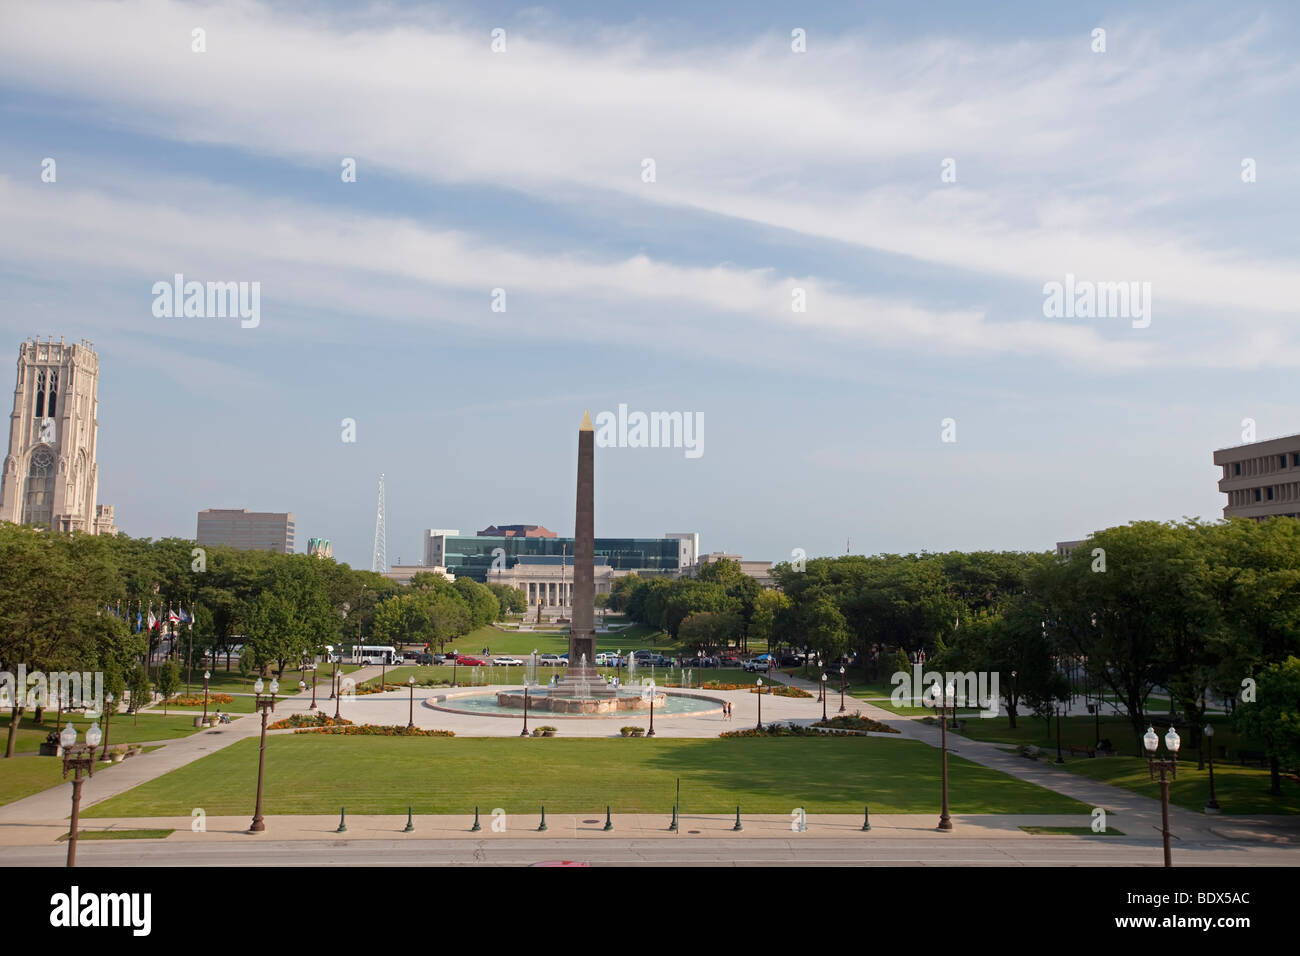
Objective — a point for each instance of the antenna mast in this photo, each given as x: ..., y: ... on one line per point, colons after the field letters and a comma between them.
x: 380, y: 560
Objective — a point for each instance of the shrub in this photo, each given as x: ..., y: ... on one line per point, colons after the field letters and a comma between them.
x: 632, y: 731
x: 856, y: 721
x: 774, y: 730
x: 196, y: 700
x: 544, y: 731
x: 376, y: 730
x: 318, y: 719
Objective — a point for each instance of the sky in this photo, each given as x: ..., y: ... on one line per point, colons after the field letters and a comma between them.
x: 829, y: 232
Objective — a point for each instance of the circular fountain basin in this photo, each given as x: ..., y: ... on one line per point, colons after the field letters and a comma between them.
x: 628, y: 703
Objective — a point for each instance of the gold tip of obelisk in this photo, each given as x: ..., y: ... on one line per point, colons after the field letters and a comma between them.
x: 586, y: 422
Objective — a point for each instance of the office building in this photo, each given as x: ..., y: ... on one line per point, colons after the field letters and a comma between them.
x: 246, y: 530
x: 1261, y: 479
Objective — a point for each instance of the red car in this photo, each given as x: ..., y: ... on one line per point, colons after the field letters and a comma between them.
x: 465, y: 661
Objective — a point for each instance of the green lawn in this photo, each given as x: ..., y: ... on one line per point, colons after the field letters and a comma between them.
x: 124, y: 729
x: 1081, y: 731
x: 318, y: 774
x: 1238, y: 790
x: 118, y: 835
x: 22, y: 776
x: 238, y: 705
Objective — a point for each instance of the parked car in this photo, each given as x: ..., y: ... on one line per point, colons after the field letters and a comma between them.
x: 466, y: 661
x: 608, y: 660
x: 439, y: 659
x: 424, y: 659
x: 551, y: 660
x: 507, y: 662
x: 757, y: 667
x: 409, y: 655
x: 729, y: 661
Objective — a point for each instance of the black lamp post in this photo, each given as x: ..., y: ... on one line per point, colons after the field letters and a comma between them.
x: 314, y: 666
x: 1168, y: 770
x: 410, y: 722
x: 108, y: 718
x: 945, y: 821
x: 1213, y: 805
x: 843, y: 683
x: 1057, y: 706
x: 78, y: 758
x: 338, y: 697
x: 524, y: 732
x: 651, y: 690
x: 206, y: 676
x: 823, y: 696
x: 822, y: 682
x: 760, y: 703
x: 454, y: 661
x: 336, y: 668
x: 265, y: 705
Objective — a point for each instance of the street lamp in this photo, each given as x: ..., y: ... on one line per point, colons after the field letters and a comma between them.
x: 649, y: 694
x: 843, y: 682
x: 265, y: 705
x: 454, y: 661
x: 1213, y: 805
x: 108, y: 718
x: 78, y: 758
x: 1168, y: 769
x: 410, y: 722
x: 945, y: 821
x: 314, y: 666
x: 822, y: 693
x: 760, y: 703
x: 330, y: 650
x: 823, y: 696
x: 338, y: 697
x: 1056, y: 705
x: 524, y: 732
x: 206, y: 676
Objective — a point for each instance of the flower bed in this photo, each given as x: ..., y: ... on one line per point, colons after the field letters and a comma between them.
x: 376, y: 730
x: 196, y: 700
x: 318, y: 719
x: 632, y: 731
x: 856, y: 721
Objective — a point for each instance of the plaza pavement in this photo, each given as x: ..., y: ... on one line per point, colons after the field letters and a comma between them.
x: 37, y: 820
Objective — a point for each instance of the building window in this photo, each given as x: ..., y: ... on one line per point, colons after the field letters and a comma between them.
x: 54, y: 391
x: 1258, y: 494
x: 38, y: 494
x: 1270, y: 494
x: 1236, y: 470
x: 40, y: 393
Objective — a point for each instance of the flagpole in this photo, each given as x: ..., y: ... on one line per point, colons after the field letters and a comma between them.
x: 189, y: 664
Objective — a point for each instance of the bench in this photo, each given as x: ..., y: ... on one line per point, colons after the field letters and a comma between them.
x: 1086, y: 751
x: 1255, y: 755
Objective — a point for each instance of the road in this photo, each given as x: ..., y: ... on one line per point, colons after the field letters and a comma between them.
x: 808, y: 851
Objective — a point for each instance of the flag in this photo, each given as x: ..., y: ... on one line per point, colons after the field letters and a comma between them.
x: 139, y: 621
x: 172, y: 617
x: 153, y: 621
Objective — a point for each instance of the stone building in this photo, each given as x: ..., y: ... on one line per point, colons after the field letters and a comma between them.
x: 51, y: 471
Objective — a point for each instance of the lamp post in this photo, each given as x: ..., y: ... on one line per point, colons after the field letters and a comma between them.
x: 649, y: 694
x: 108, y: 718
x: 843, y: 682
x: 314, y: 666
x: 618, y: 671
x: 1057, y: 707
x: 760, y: 703
x: 945, y: 821
x: 78, y: 758
x: 265, y: 705
x: 1168, y: 769
x: 823, y: 696
x: 1213, y: 805
x: 454, y: 661
x: 524, y: 732
x: 330, y: 651
x: 410, y: 721
x: 206, y: 676
x: 338, y: 697
x: 822, y: 692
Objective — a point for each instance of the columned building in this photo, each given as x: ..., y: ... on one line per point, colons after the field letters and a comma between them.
x: 51, y: 471
x: 246, y: 530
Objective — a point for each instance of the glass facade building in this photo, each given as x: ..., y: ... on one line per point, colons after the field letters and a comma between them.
x: 473, y: 556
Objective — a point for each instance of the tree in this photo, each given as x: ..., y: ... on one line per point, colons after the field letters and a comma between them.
x: 169, y: 681
x: 141, y: 687
x: 1274, y: 717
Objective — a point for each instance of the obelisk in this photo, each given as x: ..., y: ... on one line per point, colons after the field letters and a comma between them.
x: 582, y: 629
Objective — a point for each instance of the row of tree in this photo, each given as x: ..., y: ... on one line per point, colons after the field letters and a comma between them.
x: 1204, y: 611
x: 77, y: 602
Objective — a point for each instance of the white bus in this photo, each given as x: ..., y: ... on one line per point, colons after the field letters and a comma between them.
x: 374, y: 654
